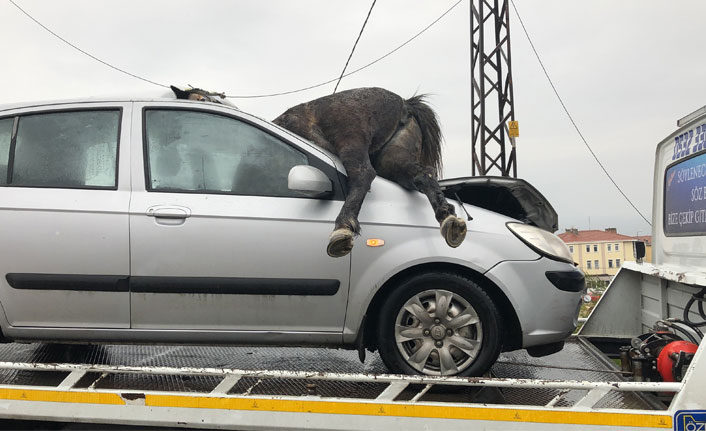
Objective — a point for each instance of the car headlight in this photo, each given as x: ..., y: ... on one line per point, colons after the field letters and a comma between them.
x: 541, y: 241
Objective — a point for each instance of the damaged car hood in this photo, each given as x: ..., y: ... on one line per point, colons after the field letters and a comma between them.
x: 512, y: 197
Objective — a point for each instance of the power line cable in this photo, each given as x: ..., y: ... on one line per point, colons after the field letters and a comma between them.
x: 354, y: 45
x: 253, y: 96
x: 356, y: 70
x: 571, y: 118
x: 84, y: 52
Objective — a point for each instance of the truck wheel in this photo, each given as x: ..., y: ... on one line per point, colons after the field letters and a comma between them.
x: 439, y: 324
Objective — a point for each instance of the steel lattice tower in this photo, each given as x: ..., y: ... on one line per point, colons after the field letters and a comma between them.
x: 491, y: 91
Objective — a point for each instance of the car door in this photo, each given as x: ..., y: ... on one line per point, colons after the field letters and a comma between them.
x: 64, y: 196
x: 218, y: 241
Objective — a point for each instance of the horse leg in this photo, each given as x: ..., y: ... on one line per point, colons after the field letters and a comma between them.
x: 453, y: 228
x: 399, y: 161
x: 353, y: 153
x: 360, y: 176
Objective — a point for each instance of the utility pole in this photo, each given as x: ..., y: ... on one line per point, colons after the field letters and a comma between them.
x: 491, y: 90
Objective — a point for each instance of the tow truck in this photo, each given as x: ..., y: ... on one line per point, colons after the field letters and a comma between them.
x: 637, y: 363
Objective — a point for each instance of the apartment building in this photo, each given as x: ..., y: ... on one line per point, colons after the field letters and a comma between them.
x: 602, y: 252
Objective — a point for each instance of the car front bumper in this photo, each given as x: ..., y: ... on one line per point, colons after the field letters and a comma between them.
x: 545, y: 294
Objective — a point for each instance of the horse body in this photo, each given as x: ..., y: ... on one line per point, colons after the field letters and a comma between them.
x: 376, y: 132
x: 347, y: 116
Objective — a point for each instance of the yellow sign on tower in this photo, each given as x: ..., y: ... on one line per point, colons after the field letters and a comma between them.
x: 513, y: 129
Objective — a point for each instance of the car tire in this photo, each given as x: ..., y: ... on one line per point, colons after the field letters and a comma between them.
x: 439, y: 323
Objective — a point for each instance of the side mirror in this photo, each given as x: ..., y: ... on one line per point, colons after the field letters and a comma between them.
x: 309, y: 181
x: 639, y: 250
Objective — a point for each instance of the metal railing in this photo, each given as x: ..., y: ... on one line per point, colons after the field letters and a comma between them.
x: 396, y: 384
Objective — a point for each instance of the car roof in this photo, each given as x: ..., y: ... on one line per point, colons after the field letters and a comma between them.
x: 163, y: 98
x: 105, y: 99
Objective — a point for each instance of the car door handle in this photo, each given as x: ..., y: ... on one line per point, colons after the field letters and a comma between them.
x: 169, y: 211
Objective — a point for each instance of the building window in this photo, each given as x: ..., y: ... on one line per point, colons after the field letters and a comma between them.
x: 609, y: 246
x: 571, y: 249
x: 617, y: 247
x: 610, y: 261
x: 595, y: 247
x: 617, y: 263
x: 588, y: 264
x: 596, y: 264
x: 588, y: 248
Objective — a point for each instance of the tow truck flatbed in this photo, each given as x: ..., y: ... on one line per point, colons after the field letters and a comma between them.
x: 270, y: 388
x: 579, y: 361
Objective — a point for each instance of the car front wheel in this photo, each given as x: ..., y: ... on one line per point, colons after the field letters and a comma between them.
x: 439, y: 324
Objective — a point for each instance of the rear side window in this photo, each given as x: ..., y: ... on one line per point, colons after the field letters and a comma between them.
x: 76, y: 149
x: 5, y: 141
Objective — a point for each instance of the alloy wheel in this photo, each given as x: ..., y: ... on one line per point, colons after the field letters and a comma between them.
x: 438, y: 332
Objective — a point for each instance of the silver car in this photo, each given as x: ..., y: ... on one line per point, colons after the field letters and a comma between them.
x: 165, y: 221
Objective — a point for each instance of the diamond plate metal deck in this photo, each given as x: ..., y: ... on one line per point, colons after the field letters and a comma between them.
x: 519, y: 364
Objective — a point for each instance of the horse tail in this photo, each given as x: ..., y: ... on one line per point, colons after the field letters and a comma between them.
x: 431, y: 132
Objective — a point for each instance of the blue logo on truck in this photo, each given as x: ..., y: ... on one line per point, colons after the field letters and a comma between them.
x: 689, y: 142
x: 690, y: 420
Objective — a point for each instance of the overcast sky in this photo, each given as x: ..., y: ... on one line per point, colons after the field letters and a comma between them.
x: 626, y: 70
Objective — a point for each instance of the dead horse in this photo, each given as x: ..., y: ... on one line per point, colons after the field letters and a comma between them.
x: 374, y: 131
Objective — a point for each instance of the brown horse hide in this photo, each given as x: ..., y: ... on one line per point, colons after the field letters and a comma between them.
x: 373, y: 132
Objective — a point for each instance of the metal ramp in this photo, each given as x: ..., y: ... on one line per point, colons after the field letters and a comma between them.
x: 194, y: 387
x: 577, y: 362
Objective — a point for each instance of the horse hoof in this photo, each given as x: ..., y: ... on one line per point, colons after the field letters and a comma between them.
x: 453, y: 229
x: 340, y: 243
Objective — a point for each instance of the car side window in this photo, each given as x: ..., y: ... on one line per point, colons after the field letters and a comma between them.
x: 74, y: 149
x: 6, y: 125
x: 202, y: 152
